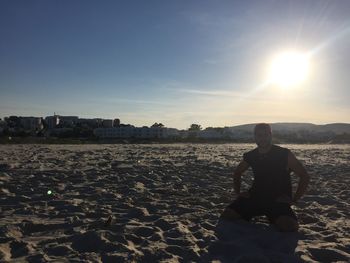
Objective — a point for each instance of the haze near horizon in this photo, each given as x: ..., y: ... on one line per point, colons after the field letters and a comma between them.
x: 215, y: 63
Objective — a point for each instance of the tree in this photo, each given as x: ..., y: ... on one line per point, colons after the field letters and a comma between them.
x: 195, y: 127
x: 13, y: 122
x: 157, y: 125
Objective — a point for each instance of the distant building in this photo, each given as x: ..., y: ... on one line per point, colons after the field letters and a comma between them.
x: 31, y: 123
x: 68, y: 121
x: 135, y: 132
x: 216, y: 133
x: 153, y: 132
x: 3, y: 125
x: 241, y: 134
x: 210, y: 134
x: 90, y: 123
x: 52, y: 121
x: 107, y: 123
x: 183, y: 134
x: 118, y: 132
x: 172, y: 133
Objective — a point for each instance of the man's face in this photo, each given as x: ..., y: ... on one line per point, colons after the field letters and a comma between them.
x: 263, y: 137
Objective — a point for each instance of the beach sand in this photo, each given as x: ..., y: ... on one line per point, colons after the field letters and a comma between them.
x: 160, y: 203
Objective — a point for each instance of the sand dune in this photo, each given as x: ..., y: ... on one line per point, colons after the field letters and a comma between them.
x: 160, y: 203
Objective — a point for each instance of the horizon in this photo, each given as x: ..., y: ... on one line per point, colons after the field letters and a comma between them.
x: 175, y: 63
x: 202, y: 127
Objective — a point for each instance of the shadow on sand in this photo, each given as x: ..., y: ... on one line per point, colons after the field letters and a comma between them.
x: 252, y: 242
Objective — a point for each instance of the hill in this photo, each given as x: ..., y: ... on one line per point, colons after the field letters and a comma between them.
x: 299, y: 132
x: 336, y: 128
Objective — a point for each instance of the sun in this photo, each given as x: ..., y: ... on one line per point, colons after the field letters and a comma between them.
x: 289, y: 69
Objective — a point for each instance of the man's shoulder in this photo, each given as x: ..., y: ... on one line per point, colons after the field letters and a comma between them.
x: 251, y: 152
x: 280, y: 149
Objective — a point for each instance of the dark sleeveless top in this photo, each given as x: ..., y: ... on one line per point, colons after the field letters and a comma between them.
x: 271, y: 175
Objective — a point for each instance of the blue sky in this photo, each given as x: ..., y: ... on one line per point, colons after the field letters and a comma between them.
x: 175, y: 62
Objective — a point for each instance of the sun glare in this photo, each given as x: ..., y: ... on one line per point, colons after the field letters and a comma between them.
x: 289, y: 69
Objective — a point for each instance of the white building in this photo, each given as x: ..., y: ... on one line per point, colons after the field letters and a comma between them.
x: 107, y: 123
x: 172, y: 133
x: 134, y: 132
x: 117, y: 132
x: 241, y: 134
x: 32, y: 123
x: 52, y: 121
x: 96, y: 122
x: 68, y: 121
x: 3, y: 124
x: 210, y: 134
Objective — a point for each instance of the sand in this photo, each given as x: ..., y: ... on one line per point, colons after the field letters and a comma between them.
x: 160, y: 203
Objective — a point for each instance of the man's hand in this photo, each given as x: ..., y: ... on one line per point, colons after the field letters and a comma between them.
x: 241, y: 168
x: 295, y: 165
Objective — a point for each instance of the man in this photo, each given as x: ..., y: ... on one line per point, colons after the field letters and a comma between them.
x: 271, y: 192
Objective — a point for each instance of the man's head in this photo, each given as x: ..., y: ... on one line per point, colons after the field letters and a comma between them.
x: 263, y: 135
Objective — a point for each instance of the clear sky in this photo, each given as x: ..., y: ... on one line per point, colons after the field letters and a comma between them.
x: 175, y: 62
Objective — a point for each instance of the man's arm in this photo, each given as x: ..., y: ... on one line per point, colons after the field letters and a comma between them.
x: 241, y: 168
x: 295, y: 165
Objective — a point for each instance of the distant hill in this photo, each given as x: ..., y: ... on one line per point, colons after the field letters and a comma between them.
x: 337, y: 128
x: 288, y: 127
x: 298, y: 132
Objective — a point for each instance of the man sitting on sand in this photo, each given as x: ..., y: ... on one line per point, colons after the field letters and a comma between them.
x: 271, y: 192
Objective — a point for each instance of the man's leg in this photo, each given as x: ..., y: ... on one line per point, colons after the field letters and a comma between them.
x: 287, y: 224
x: 230, y: 214
x: 241, y: 208
x: 283, y: 217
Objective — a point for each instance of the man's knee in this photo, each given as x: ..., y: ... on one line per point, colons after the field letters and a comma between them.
x: 230, y: 214
x: 287, y: 224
